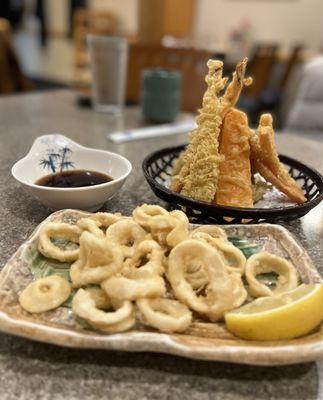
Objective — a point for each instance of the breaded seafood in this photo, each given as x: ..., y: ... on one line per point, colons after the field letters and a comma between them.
x: 234, y: 184
x: 199, y: 166
x: 264, y: 159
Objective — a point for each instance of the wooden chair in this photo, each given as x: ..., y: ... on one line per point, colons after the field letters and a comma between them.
x: 271, y: 98
x: 12, y: 79
x: 260, y: 68
x: 190, y: 62
x: 89, y: 22
x: 293, y: 60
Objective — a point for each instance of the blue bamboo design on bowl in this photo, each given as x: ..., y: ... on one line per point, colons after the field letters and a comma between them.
x: 57, y: 160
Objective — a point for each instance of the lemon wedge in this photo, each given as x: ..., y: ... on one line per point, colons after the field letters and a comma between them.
x: 286, y: 316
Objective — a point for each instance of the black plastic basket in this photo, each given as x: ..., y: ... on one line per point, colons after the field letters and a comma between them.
x: 157, y: 168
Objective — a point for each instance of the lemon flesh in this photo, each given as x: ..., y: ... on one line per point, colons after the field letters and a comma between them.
x: 286, y: 316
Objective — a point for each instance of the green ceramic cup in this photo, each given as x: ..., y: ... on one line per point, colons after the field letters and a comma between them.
x: 161, y: 94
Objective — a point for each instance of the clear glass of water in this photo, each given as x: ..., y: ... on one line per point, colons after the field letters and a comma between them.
x: 108, y: 59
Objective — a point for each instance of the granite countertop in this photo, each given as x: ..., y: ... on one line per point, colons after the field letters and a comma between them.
x: 38, y: 371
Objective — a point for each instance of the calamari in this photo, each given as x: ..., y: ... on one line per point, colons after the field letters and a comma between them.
x: 99, y: 222
x: 219, y: 296
x: 104, y: 220
x: 101, y: 299
x: 45, y: 294
x: 171, y: 229
x: 233, y: 258
x: 98, y: 260
x: 148, y: 258
x: 264, y: 262
x: 126, y: 234
x: 118, y: 320
x: 165, y: 314
x: 88, y: 224
x: 134, y: 287
x: 212, y: 230
x: 143, y: 214
x: 54, y: 230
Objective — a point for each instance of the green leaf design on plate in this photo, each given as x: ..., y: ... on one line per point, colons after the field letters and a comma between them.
x: 247, y: 248
x: 41, y: 267
x: 64, y: 244
x: 268, y: 278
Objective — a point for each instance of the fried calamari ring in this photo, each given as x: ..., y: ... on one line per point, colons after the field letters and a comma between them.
x: 196, y: 276
x: 83, y: 305
x: 145, y: 212
x: 45, y: 294
x: 100, y: 298
x: 88, y: 224
x: 198, y: 280
x: 148, y: 257
x: 212, y: 230
x: 104, y: 220
x: 264, y: 262
x: 98, y: 260
x: 58, y: 230
x: 233, y: 257
x: 134, y: 288
x: 219, y: 296
x: 127, y: 234
x: 171, y: 229
x: 180, y: 231
x: 97, y: 222
x: 239, y: 292
x: 165, y: 314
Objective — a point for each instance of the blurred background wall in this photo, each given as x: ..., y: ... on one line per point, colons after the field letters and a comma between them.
x: 286, y: 21
x: 46, y: 42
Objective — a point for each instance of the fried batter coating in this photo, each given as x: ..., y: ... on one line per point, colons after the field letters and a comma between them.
x: 148, y: 258
x: 265, y: 262
x: 221, y: 292
x: 143, y: 214
x: 234, y: 184
x: 45, y: 294
x: 211, y: 230
x: 264, y: 159
x: 134, y: 287
x: 98, y: 260
x: 126, y: 234
x: 119, y: 320
x: 198, y: 176
x: 63, y: 230
x: 165, y: 314
x: 233, y: 257
x: 233, y: 91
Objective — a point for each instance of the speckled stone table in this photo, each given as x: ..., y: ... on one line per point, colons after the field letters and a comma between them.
x: 37, y: 371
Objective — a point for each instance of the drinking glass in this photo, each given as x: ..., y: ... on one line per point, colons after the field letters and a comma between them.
x: 108, y: 59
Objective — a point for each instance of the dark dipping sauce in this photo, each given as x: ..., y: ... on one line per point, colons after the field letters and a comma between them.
x: 74, y: 179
